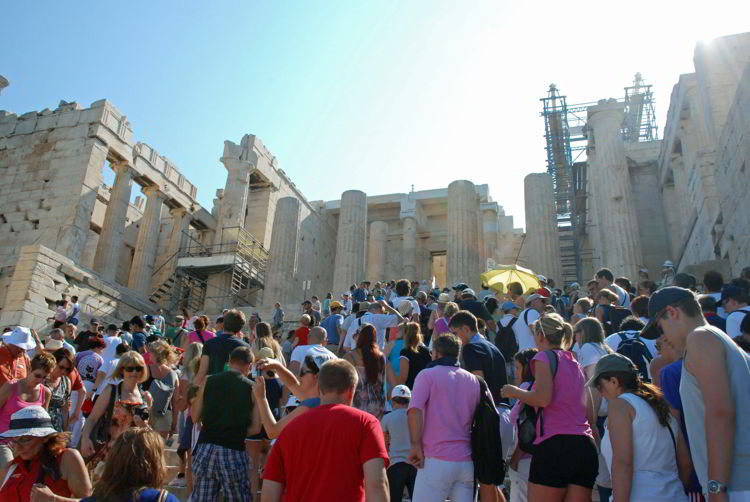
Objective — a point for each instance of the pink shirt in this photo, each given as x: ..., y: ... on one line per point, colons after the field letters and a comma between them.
x: 566, y: 413
x: 448, y: 397
x: 15, y: 403
x: 207, y: 335
x: 441, y: 326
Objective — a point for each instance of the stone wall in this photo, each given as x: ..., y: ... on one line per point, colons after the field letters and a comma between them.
x: 42, y: 276
x: 733, y: 181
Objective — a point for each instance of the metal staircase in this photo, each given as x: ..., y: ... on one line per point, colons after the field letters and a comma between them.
x: 240, y: 259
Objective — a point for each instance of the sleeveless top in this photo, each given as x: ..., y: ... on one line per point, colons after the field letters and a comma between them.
x: 655, y: 476
x: 17, y: 488
x: 395, y: 355
x: 370, y: 396
x: 15, y: 403
x: 59, y: 396
x: 226, y: 410
x: 694, y: 409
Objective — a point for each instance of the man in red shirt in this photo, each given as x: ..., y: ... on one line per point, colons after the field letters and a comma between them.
x: 333, y: 451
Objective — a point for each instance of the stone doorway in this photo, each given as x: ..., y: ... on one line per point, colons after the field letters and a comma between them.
x: 438, y: 268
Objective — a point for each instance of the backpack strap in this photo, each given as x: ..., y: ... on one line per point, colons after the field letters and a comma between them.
x: 552, y: 358
x: 511, y: 323
x: 526, y: 318
x: 200, y: 335
x: 622, y: 336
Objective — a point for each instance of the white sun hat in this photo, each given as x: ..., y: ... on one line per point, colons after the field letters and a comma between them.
x: 30, y: 421
x: 20, y: 337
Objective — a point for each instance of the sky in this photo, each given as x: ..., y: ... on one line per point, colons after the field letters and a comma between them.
x: 370, y: 95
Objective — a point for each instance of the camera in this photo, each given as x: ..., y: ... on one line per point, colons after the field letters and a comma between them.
x: 142, y: 412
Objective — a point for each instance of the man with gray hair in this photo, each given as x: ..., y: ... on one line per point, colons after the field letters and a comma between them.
x: 347, y: 448
x: 57, y: 334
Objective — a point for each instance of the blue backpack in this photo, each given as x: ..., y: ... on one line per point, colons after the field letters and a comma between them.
x: 637, y: 351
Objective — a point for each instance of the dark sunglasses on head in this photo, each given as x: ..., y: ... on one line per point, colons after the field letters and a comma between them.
x: 133, y: 369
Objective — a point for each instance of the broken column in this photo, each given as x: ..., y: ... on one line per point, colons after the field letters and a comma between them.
x: 180, y: 224
x: 112, y: 236
x: 618, y: 220
x: 280, y: 278
x: 234, y: 199
x: 409, y: 257
x: 463, y: 234
x: 141, y: 270
x: 376, y: 253
x: 350, y: 241
x: 542, y: 244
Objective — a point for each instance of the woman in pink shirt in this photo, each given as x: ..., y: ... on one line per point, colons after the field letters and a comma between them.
x: 564, y: 461
x: 200, y: 335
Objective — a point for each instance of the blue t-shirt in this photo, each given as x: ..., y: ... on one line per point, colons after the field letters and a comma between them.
x: 147, y: 495
x: 359, y: 295
x: 139, y: 340
x: 669, y: 378
x: 313, y: 402
x: 331, y: 325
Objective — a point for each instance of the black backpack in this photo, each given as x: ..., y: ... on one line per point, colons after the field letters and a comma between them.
x: 486, y: 444
x: 529, y: 415
x: 616, y: 316
x: 506, y: 341
x: 637, y: 351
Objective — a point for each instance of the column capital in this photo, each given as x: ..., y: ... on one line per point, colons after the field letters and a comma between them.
x: 154, y: 191
x: 178, y: 212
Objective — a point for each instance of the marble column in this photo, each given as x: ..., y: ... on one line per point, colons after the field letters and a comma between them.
x: 141, y: 270
x: 112, y: 236
x: 280, y: 276
x: 168, y: 262
x: 350, y: 241
x: 377, y: 240
x: 542, y: 245
x: 463, y: 234
x: 234, y: 199
x: 619, y: 222
x: 409, y: 257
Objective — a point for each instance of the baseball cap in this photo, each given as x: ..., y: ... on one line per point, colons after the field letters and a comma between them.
x: 364, y: 306
x: 460, y: 286
x: 660, y: 300
x: 611, y: 363
x: 545, y: 292
x: 401, y: 391
x: 667, y: 264
x: 336, y: 305
x: 112, y: 327
x: 731, y: 291
x: 94, y: 321
x: 541, y: 278
x: 444, y: 298
x: 468, y: 292
x: 508, y: 306
x: 535, y: 296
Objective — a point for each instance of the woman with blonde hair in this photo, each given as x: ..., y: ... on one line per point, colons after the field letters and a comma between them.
x: 264, y: 338
x: 564, y: 461
x: 119, y: 407
x: 135, y: 470
x: 414, y: 356
x: 162, y: 387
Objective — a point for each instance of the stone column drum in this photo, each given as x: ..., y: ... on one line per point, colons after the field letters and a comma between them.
x: 142, y: 267
x: 376, y: 252
x: 234, y: 201
x: 463, y: 234
x: 619, y: 222
x: 280, y: 280
x: 350, y: 241
x: 542, y: 244
x: 409, y: 258
x: 112, y: 236
x: 180, y: 223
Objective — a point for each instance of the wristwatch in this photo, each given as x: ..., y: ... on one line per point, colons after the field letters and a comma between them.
x: 716, y: 487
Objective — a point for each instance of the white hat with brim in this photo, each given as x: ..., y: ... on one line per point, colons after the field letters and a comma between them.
x: 20, y: 337
x: 30, y: 421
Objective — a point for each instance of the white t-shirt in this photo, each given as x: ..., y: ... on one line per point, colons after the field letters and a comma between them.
x: 590, y: 353
x: 108, y: 368
x: 614, y: 341
x: 110, y: 352
x: 301, y: 351
x: 623, y: 295
x: 380, y: 321
x: 734, y: 321
x: 396, y: 301
x: 524, y: 336
x: 348, y: 320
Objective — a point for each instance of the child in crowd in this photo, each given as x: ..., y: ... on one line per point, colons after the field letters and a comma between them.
x: 396, y: 432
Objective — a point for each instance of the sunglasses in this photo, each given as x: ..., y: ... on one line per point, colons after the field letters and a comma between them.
x: 133, y: 369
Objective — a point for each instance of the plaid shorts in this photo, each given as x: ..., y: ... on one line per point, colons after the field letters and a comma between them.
x: 216, y: 469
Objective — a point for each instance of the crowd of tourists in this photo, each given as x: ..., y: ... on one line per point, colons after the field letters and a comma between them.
x: 393, y: 391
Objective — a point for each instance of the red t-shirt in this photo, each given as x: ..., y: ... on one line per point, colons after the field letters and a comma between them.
x: 75, y: 380
x: 302, y: 333
x: 319, y: 455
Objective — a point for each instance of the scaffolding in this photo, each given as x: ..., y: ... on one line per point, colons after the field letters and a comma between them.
x: 566, y: 138
x: 239, y: 258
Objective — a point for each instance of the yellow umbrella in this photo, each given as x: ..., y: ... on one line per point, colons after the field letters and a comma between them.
x: 502, y: 275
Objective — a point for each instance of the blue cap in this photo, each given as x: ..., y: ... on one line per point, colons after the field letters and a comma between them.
x: 660, y: 300
x: 507, y: 306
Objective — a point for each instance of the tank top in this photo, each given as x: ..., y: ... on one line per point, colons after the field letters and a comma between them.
x: 655, y: 477
x: 15, y: 403
x: 226, y: 410
x: 694, y: 409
